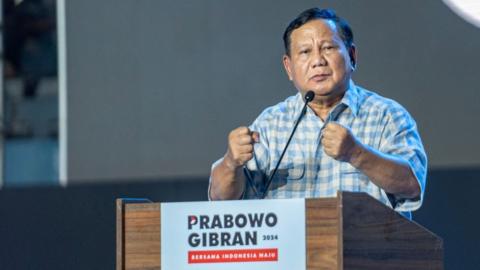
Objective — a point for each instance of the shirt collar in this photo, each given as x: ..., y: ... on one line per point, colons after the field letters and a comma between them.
x: 351, y: 100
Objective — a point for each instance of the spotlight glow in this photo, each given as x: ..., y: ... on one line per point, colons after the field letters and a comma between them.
x: 469, y: 10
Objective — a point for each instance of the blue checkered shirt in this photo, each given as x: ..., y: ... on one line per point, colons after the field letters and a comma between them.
x: 306, y: 171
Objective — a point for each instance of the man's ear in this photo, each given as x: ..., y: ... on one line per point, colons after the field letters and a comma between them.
x: 352, y: 52
x: 287, y: 64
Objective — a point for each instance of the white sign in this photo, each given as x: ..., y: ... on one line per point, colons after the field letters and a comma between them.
x: 233, y: 235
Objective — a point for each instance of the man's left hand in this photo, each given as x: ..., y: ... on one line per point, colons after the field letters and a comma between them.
x: 338, y: 142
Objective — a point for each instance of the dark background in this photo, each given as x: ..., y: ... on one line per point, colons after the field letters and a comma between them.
x: 152, y: 88
x: 149, y: 90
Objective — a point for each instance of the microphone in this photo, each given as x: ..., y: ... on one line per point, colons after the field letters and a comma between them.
x: 308, y: 97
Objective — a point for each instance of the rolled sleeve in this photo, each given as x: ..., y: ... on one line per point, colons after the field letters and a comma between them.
x: 402, y: 140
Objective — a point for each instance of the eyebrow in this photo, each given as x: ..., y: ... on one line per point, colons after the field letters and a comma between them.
x: 299, y: 45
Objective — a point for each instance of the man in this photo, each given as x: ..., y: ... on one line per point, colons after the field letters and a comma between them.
x: 349, y: 139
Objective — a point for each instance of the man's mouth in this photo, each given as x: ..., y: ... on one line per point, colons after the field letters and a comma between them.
x: 319, y: 77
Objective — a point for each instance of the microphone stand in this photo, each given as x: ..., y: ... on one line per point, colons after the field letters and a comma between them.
x: 308, y: 97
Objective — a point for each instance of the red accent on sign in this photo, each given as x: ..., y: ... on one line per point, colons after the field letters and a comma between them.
x: 234, y: 255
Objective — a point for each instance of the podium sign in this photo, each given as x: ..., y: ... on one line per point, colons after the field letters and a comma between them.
x: 233, y: 235
x: 352, y: 231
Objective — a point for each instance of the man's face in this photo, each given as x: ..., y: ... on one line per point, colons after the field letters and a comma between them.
x: 319, y: 60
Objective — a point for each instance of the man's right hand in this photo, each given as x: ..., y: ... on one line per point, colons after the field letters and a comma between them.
x: 240, y: 147
x: 227, y: 179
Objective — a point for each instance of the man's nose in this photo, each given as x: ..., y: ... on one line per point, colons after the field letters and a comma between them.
x: 318, y: 59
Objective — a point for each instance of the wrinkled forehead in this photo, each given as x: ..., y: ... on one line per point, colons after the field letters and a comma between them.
x: 317, y: 28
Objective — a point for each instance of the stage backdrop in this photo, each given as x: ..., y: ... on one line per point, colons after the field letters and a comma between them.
x: 150, y: 89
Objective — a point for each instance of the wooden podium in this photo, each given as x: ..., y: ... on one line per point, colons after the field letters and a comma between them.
x: 351, y: 231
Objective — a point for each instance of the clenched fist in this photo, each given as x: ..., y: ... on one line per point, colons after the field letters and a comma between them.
x: 240, y: 147
x: 339, y: 142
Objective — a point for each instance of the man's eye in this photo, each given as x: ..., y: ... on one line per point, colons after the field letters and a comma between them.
x: 329, y: 47
x: 304, y: 51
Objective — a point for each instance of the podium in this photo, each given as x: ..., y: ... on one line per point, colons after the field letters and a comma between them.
x: 350, y: 231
